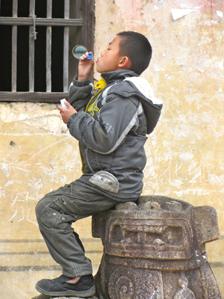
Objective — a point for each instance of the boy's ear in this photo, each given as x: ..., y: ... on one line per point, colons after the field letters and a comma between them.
x: 125, y: 62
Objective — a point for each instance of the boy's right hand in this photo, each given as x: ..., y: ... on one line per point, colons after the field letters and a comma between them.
x: 85, y: 68
x: 66, y: 110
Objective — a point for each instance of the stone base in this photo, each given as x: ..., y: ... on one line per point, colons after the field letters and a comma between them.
x: 47, y: 297
x: 73, y: 298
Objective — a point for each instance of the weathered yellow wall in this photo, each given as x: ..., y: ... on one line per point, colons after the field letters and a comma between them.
x: 185, y: 153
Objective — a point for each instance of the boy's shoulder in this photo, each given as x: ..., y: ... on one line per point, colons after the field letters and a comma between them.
x: 131, y: 86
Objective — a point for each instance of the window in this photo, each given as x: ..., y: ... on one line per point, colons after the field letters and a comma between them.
x: 36, y: 41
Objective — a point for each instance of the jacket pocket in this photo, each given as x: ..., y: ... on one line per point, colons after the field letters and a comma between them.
x: 105, y: 180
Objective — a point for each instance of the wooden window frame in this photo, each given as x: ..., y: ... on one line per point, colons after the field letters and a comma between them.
x: 85, y: 35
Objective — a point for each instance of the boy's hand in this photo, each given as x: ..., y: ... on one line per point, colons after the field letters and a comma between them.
x: 66, y: 111
x: 85, y: 68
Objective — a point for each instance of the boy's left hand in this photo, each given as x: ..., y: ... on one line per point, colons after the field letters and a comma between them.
x: 66, y: 111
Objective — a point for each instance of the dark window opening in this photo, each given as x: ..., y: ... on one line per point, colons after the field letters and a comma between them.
x: 41, y: 8
x: 5, y: 58
x: 58, y: 9
x: 40, y: 60
x: 23, y: 8
x: 6, y: 8
x: 23, y: 58
x: 57, y: 61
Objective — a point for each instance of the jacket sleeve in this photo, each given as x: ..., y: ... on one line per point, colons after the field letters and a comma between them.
x: 79, y: 93
x: 104, y: 134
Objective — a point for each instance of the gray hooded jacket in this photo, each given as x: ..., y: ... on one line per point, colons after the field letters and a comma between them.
x: 112, y: 140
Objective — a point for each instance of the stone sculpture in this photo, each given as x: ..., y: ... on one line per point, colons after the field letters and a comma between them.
x: 155, y: 249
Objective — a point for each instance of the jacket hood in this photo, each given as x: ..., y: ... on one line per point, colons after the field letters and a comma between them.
x: 130, y: 84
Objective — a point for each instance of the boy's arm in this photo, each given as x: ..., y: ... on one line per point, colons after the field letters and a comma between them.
x: 79, y: 93
x: 105, y: 134
x: 80, y: 90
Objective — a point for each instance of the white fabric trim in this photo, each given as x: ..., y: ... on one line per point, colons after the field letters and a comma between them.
x: 104, y: 94
x: 143, y: 86
x: 127, y: 129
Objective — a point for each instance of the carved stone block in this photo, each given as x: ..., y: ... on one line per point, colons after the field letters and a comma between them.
x: 155, y: 249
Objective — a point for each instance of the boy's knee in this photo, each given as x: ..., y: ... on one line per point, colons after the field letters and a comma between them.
x: 41, y: 209
x: 49, y: 216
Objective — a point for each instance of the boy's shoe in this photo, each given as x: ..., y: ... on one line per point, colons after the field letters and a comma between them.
x: 59, y: 287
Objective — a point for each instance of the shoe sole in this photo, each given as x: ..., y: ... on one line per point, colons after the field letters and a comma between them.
x: 87, y: 293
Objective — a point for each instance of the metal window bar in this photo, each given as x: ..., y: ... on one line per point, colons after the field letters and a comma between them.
x: 41, y: 21
x: 14, y: 48
x: 31, y: 46
x: 66, y: 47
x: 48, y: 48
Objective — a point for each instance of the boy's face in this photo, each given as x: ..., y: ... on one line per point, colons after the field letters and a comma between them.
x: 110, y: 59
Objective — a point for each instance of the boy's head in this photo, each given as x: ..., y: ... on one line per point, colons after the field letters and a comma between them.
x: 128, y: 50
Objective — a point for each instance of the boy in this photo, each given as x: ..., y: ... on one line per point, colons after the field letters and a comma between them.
x: 110, y: 124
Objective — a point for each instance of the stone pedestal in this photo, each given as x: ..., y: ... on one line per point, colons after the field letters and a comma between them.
x: 155, y: 249
x: 47, y: 297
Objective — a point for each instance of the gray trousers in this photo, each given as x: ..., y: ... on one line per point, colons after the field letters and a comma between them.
x: 55, y: 214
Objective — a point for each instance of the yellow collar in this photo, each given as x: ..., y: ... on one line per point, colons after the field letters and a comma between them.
x: 100, y: 84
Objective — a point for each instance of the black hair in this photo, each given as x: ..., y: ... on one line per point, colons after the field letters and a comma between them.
x: 137, y: 47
